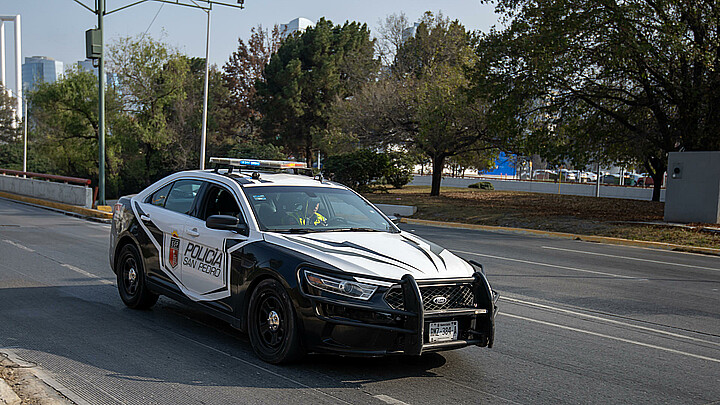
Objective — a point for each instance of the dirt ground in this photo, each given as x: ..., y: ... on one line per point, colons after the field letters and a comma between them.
x: 30, y: 389
x: 558, y: 213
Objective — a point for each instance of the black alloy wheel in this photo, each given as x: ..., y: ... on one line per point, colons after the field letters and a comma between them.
x: 131, y: 280
x: 272, y: 324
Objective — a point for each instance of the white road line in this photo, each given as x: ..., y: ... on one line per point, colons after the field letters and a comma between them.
x: 550, y: 265
x: 599, y: 318
x: 633, y: 342
x: 17, y: 245
x: 632, y: 258
x: 87, y: 274
x: 390, y: 400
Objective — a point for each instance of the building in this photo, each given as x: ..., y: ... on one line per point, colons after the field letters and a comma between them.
x: 299, y: 24
x: 409, y: 32
x: 40, y: 69
x: 87, y: 65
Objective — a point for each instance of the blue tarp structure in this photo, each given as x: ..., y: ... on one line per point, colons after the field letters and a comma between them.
x: 504, y: 166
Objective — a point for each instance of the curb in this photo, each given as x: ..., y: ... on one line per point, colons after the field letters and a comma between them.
x: 64, y: 208
x: 563, y: 235
x: 7, y: 395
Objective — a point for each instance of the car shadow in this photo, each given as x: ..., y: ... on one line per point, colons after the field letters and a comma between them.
x: 85, y: 337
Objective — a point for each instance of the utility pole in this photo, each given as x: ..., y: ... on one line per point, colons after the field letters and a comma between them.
x: 101, y: 105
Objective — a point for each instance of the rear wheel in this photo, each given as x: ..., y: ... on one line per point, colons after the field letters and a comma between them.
x: 272, y: 324
x: 131, y: 280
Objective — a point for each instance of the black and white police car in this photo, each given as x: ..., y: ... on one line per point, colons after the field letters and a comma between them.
x: 300, y: 263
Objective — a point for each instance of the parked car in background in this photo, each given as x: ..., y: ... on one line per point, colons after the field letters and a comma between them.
x: 567, y: 176
x: 546, y: 175
x: 645, y: 180
x: 609, y: 178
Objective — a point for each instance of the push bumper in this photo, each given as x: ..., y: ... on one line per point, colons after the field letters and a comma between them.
x: 402, y: 331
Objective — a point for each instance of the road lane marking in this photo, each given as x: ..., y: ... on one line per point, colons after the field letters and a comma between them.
x: 619, y: 339
x: 588, y: 316
x: 17, y: 245
x: 632, y: 258
x: 87, y: 274
x: 390, y: 400
x: 550, y: 265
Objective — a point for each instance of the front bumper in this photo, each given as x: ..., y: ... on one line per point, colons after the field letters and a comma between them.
x: 350, y: 326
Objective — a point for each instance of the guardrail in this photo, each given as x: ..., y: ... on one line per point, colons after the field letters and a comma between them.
x: 63, y: 189
x: 64, y: 179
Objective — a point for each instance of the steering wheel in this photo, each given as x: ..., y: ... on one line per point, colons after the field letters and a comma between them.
x: 337, y: 221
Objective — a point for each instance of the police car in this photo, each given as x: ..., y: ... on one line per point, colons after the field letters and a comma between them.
x: 300, y: 263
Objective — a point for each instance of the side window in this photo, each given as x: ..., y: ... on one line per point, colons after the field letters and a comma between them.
x: 158, y: 198
x: 219, y: 201
x: 182, y: 195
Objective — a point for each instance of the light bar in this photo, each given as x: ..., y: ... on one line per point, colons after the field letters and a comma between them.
x: 259, y: 164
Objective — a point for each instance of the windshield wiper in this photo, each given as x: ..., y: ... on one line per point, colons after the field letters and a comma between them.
x: 297, y: 230
x: 354, y: 230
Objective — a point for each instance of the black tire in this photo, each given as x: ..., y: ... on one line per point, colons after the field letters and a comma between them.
x: 131, y: 280
x: 272, y: 324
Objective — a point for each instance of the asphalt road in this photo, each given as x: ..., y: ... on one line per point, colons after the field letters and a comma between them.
x: 579, y: 323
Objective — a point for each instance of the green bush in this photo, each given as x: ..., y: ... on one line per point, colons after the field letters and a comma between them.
x: 483, y: 185
x: 359, y: 169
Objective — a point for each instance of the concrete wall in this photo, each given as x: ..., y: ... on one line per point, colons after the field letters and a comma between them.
x: 631, y: 193
x: 693, y: 187
x: 47, y: 190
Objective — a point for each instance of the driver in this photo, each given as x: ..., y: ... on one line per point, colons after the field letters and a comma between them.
x: 309, y: 215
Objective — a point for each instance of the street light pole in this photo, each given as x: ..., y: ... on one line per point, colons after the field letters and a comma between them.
x: 203, y: 137
x: 25, y: 135
x: 101, y: 105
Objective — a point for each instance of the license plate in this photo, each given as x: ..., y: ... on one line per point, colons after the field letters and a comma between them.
x: 443, y: 331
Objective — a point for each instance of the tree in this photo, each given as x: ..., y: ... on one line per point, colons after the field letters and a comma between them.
x: 423, y: 103
x: 152, y: 79
x: 632, y: 80
x: 64, y: 115
x: 245, y: 67
x: 392, y: 33
x: 10, y: 148
x: 309, y: 71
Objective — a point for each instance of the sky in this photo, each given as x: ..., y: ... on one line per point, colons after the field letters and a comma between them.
x: 56, y: 28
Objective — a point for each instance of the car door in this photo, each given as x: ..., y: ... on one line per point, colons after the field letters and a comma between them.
x: 164, y: 215
x: 206, y: 261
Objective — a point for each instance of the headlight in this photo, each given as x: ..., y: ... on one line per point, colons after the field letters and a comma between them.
x: 343, y: 287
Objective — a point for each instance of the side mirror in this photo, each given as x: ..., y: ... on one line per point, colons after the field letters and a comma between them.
x: 226, y: 223
x: 395, y: 219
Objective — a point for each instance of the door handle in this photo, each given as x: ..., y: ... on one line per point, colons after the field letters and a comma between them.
x: 192, y: 232
x: 145, y: 217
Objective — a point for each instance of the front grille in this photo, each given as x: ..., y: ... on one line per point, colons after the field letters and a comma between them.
x: 456, y: 297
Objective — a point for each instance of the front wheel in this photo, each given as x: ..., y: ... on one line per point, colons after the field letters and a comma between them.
x: 131, y: 280
x: 272, y: 324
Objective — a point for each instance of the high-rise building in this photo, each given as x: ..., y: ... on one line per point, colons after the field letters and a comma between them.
x: 299, y: 24
x: 40, y: 69
x: 87, y: 65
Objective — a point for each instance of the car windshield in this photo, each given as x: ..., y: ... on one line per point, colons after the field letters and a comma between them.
x: 313, y: 209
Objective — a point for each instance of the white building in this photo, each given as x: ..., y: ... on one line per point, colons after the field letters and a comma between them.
x: 299, y: 24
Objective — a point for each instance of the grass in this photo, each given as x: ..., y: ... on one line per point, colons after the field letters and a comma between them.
x: 558, y: 213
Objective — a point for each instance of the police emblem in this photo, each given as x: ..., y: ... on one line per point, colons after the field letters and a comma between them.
x: 174, y: 249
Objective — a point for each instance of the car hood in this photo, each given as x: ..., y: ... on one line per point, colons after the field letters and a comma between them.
x: 382, y: 254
